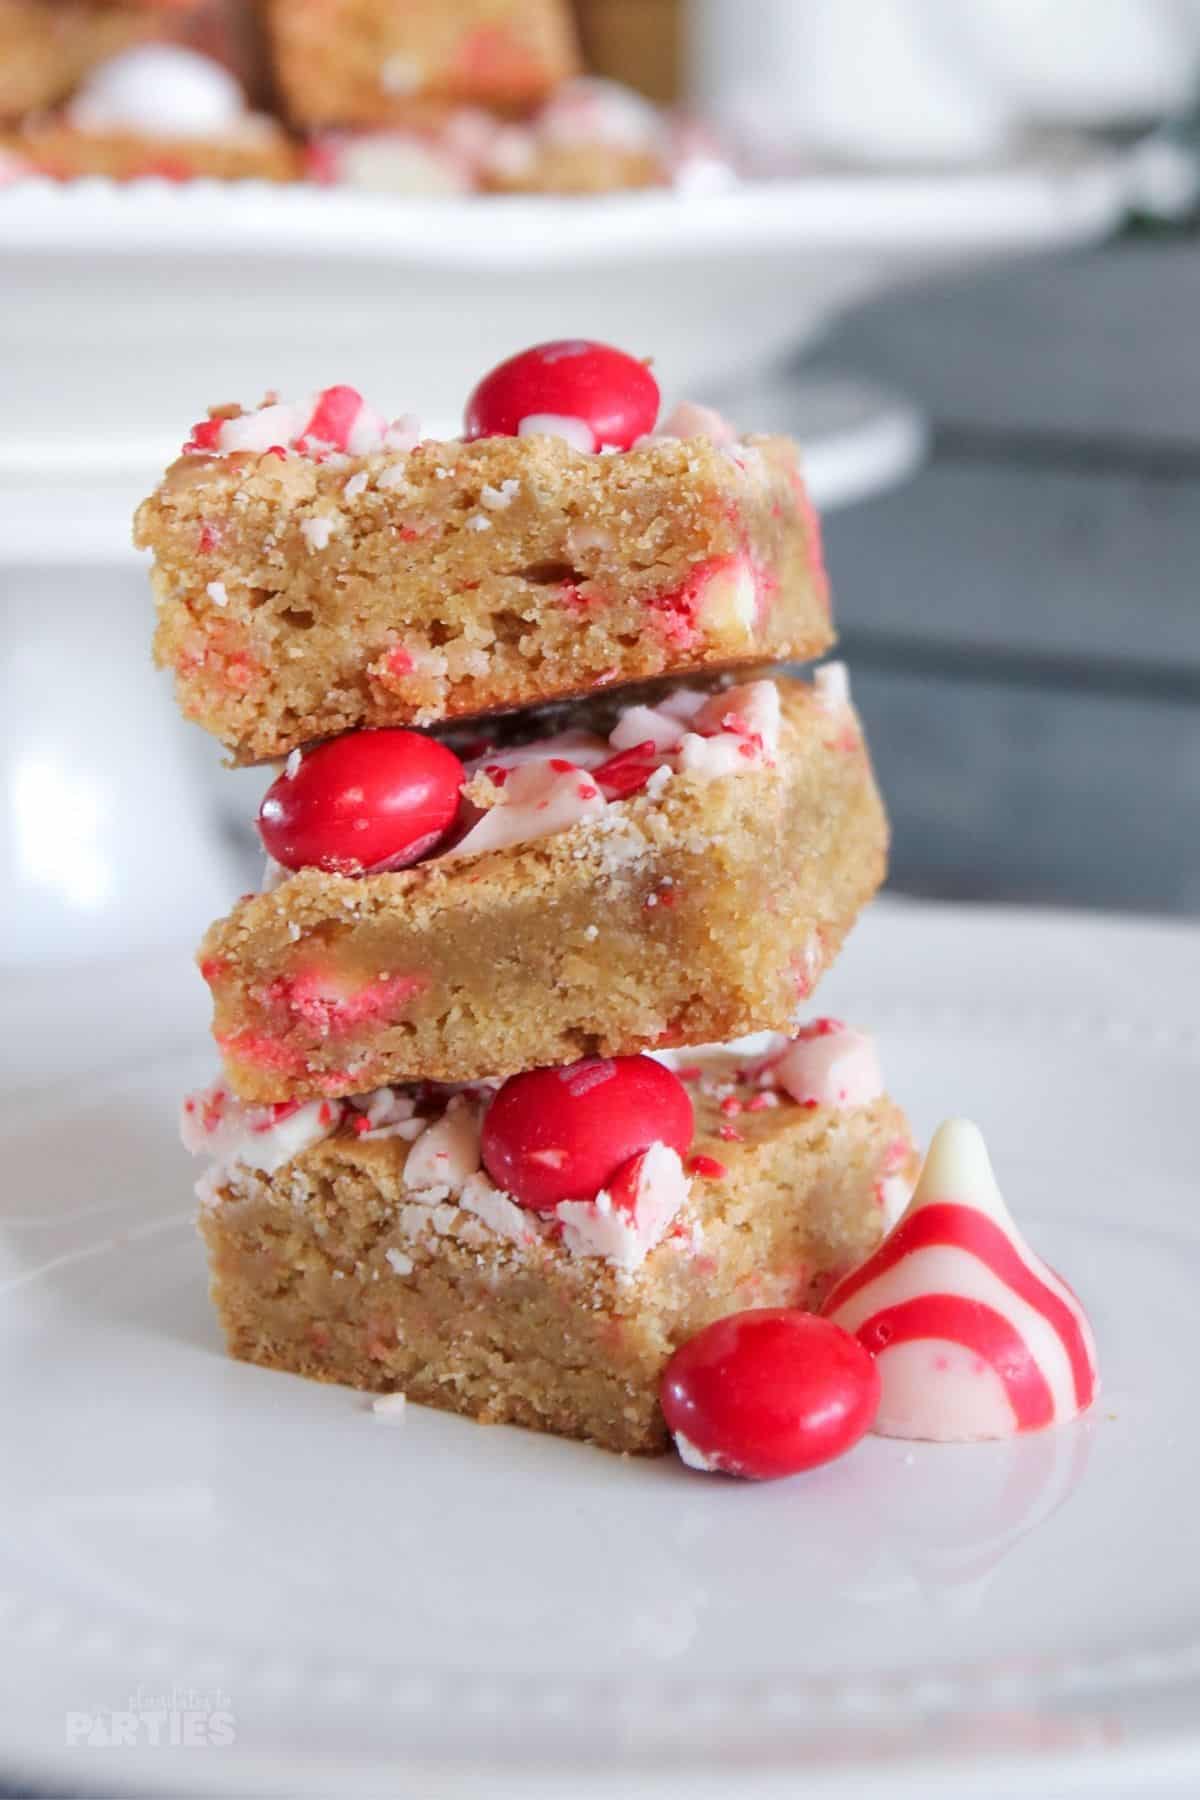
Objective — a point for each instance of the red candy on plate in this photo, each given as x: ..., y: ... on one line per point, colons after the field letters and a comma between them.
x: 572, y: 381
x: 767, y: 1393
x: 371, y: 800
x: 562, y: 1134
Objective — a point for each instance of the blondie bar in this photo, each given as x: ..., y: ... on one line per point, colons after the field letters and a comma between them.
x: 304, y: 591
x: 365, y: 1242
x: 683, y: 881
x: 158, y: 109
x: 47, y: 47
x: 376, y: 62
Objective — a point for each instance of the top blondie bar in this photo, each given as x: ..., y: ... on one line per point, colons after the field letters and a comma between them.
x: 318, y: 569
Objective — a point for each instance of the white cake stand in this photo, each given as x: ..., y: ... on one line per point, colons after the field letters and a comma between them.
x: 126, y: 310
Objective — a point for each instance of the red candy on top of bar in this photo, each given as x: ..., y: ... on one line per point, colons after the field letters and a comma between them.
x: 562, y: 1134
x: 611, y: 395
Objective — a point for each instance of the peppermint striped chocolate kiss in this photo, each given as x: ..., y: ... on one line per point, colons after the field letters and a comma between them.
x: 974, y: 1336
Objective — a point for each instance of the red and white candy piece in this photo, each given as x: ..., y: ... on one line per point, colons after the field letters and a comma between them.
x: 769, y: 1392
x: 590, y: 111
x: 595, y: 397
x: 389, y: 161
x: 160, y: 90
x: 829, y: 1064
x: 562, y: 1134
x: 337, y: 419
x: 368, y: 801
x: 631, y: 1213
x: 537, y: 799
x: 973, y: 1335
x: 214, y: 1122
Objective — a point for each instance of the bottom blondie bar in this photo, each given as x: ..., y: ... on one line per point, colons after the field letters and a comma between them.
x: 363, y: 1242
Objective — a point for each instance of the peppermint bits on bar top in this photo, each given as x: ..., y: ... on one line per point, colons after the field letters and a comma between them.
x: 320, y: 566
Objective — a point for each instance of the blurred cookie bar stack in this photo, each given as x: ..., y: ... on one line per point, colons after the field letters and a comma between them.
x: 134, y: 89
x: 546, y: 830
x: 425, y: 97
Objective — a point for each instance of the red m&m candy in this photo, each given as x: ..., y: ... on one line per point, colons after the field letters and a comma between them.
x: 558, y: 387
x: 562, y: 1134
x: 767, y: 1393
x: 371, y: 800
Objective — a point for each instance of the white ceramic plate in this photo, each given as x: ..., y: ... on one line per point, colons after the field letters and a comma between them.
x: 442, y: 1609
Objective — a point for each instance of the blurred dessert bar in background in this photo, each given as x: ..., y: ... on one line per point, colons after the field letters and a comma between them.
x: 419, y: 97
x: 381, y: 62
x: 47, y: 47
x: 135, y: 90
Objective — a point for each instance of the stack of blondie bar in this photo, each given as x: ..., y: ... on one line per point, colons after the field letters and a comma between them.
x: 545, y: 831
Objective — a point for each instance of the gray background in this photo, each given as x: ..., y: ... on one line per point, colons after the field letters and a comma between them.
x: 1021, y: 619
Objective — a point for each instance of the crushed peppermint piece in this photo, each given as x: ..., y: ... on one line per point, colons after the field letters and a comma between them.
x: 217, y: 593
x: 761, y: 1102
x: 576, y: 432
x: 356, y: 485
x: 478, y: 522
x: 316, y: 532
x: 336, y: 422
x: 389, y: 1409
x: 497, y: 499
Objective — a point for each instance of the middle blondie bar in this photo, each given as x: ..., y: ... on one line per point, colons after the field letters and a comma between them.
x: 570, y: 920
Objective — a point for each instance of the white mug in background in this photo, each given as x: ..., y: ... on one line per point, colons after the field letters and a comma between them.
x: 865, y: 80
x: 1083, y: 62
x: 932, y: 81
